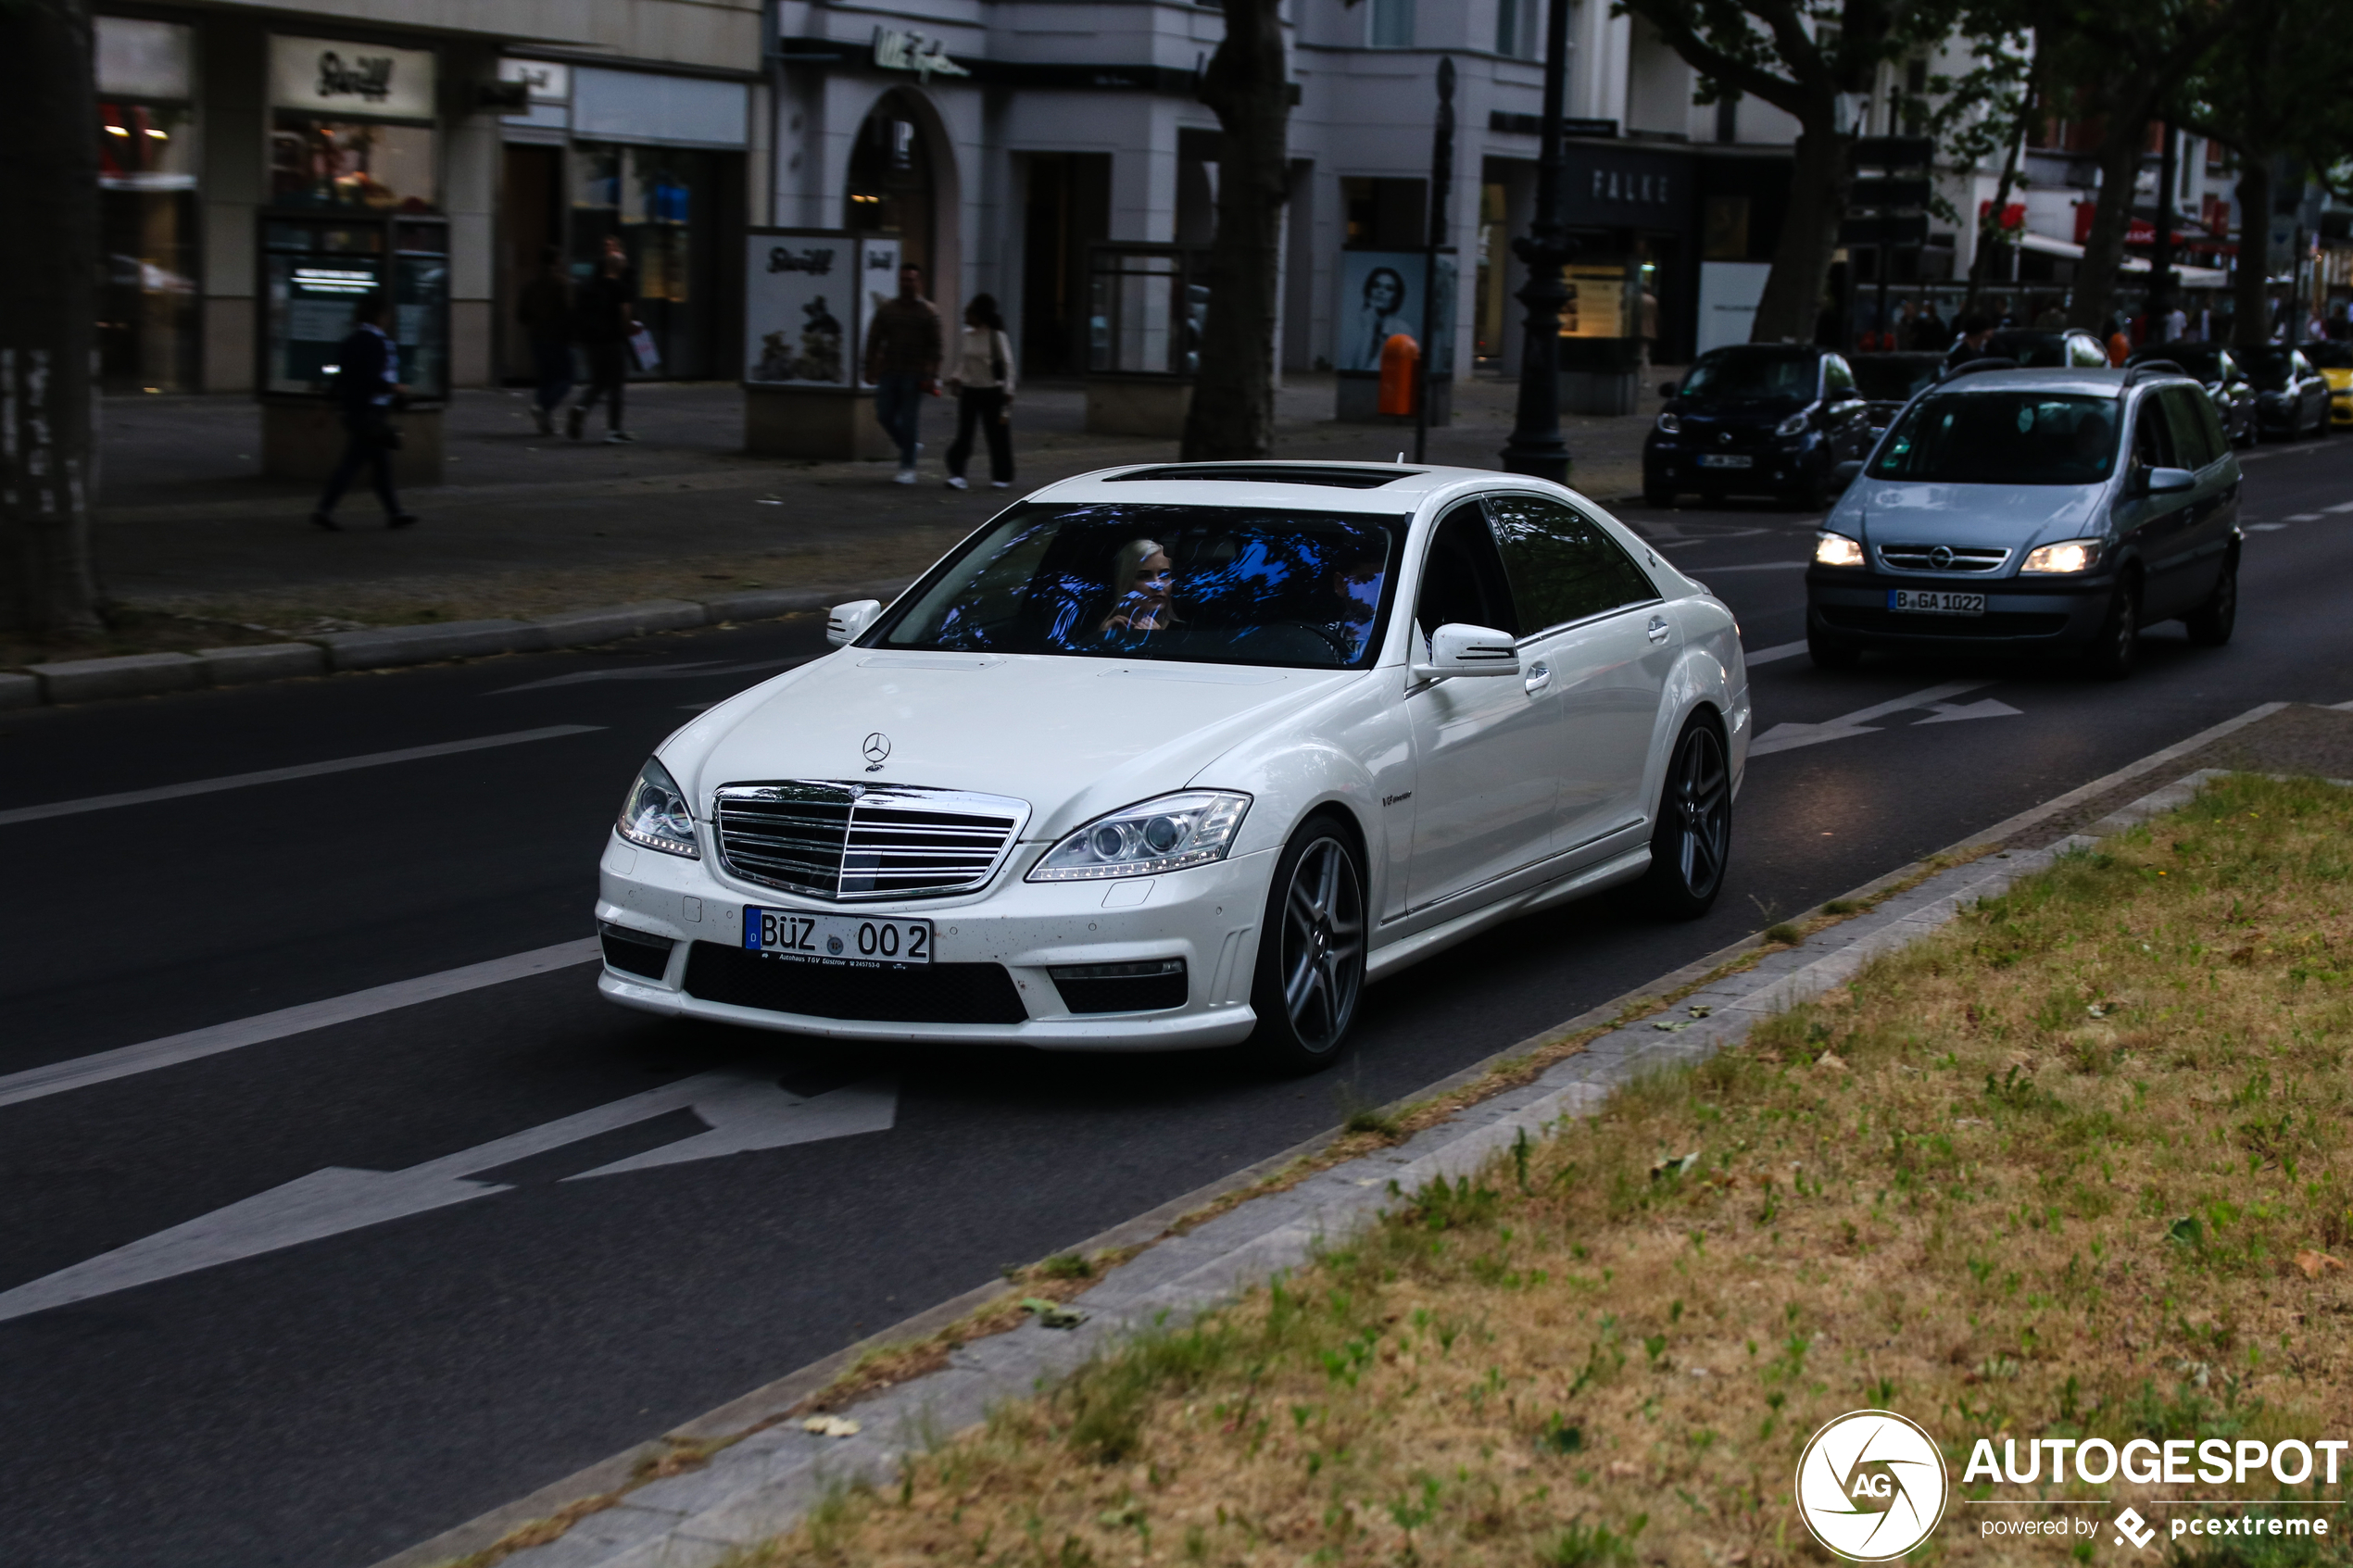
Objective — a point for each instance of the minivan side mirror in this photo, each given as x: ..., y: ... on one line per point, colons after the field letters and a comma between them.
x: 2166, y: 481
x: 1458, y: 649
x: 845, y: 622
x: 1666, y: 389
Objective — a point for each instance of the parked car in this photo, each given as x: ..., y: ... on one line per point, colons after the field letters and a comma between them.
x: 2071, y: 349
x: 1756, y: 420
x: 2039, y: 511
x: 2291, y: 400
x: 2226, y: 383
x: 2335, y: 361
x: 1185, y: 756
x: 1889, y: 381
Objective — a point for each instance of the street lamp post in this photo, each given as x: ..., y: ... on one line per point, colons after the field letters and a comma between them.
x: 1536, y: 446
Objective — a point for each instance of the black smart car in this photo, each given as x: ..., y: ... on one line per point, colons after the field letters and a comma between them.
x: 2290, y: 398
x: 2226, y: 385
x: 1756, y: 420
x: 1890, y: 381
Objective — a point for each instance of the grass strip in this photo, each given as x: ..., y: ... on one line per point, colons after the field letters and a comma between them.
x: 2075, y: 1166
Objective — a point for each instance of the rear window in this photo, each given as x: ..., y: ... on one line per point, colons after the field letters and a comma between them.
x: 2007, y: 437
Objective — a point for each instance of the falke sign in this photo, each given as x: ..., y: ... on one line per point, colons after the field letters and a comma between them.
x: 1621, y: 186
x: 335, y: 76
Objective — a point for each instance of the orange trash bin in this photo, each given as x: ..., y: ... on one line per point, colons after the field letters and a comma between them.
x: 1398, y: 356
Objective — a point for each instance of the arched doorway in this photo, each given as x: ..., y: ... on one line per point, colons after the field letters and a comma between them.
x: 892, y: 186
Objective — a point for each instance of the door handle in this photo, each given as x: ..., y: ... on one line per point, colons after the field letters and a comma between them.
x: 1658, y: 629
x: 1540, y: 675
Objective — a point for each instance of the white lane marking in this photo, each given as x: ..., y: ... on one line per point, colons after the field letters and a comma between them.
x: 1953, y: 712
x: 1767, y: 656
x: 279, y: 776
x: 2265, y: 527
x: 2340, y: 506
x: 741, y: 1112
x: 2305, y: 517
x: 57, y: 1077
x: 1754, y: 566
x: 1787, y: 737
x: 693, y: 671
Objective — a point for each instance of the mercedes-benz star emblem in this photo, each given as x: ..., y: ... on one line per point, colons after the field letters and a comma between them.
x: 877, y: 748
x: 1941, y: 558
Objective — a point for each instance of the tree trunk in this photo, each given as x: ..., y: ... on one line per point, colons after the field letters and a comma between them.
x: 48, y: 319
x: 1818, y: 186
x: 2002, y: 188
x: 2119, y: 163
x: 1233, y: 407
x: 2250, y: 290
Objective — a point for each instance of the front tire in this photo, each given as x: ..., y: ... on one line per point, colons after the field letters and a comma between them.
x: 2110, y: 655
x: 1311, y: 952
x: 1694, y: 838
x: 2212, y: 624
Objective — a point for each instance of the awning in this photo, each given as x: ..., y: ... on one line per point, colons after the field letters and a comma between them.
x: 2192, y: 277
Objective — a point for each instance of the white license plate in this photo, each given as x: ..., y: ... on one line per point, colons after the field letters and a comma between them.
x: 1725, y: 460
x: 851, y: 941
x: 1934, y: 601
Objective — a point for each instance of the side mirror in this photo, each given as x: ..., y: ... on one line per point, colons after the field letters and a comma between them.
x: 1847, y: 472
x: 1667, y: 388
x: 1457, y: 650
x: 2166, y: 481
x: 844, y: 622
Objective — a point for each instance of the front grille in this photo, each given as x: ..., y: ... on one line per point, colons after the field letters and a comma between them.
x: 842, y: 841
x: 1152, y: 985
x: 634, y: 952
x: 1940, y: 557
x: 940, y: 993
x: 1992, y: 623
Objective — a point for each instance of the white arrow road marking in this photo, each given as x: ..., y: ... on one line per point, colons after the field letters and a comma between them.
x: 693, y: 669
x: 1788, y: 738
x: 742, y: 1112
x: 2265, y: 527
x: 1772, y: 654
x: 1952, y: 712
x: 2340, y: 506
x: 2304, y: 517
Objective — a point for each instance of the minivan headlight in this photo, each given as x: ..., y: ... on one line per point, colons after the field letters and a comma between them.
x: 1795, y: 425
x: 1836, y: 549
x: 654, y: 813
x: 2068, y: 555
x: 1164, y: 835
x: 1669, y: 424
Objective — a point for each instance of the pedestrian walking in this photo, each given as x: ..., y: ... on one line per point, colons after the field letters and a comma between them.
x: 1930, y: 335
x: 982, y: 379
x: 604, y: 318
x: 1975, y: 330
x: 902, y: 361
x: 367, y: 380
x: 545, y: 310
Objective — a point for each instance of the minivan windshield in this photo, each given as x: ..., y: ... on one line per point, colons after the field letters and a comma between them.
x: 1892, y: 377
x: 1991, y: 437
x: 1189, y: 584
x: 1752, y: 372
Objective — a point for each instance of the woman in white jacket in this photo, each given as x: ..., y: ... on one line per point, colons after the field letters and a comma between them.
x: 982, y: 375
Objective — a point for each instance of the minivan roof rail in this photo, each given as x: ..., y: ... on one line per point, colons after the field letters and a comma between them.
x: 2132, y: 374
x: 1971, y: 367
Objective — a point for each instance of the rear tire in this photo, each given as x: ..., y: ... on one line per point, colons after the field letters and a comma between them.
x: 1311, y: 952
x: 2110, y: 656
x: 1692, y: 839
x: 2210, y: 623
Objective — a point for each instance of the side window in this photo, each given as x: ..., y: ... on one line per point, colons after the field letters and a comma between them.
x: 1563, y: 566
x: 2197, y: 437
x: 2152, y: 442
x: 1838, y: 378
x: 1463, y: 579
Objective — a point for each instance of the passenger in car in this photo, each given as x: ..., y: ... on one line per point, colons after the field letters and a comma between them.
x: 1142, y: 579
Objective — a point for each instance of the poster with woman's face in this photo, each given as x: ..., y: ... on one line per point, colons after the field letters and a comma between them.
x: 1381, y: 294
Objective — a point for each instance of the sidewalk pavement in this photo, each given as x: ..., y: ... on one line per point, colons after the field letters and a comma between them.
x: 199, y: 550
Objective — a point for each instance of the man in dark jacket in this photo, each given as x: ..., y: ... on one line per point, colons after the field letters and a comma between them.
x: 605, y: 317
x: 545, y: 310
x: 902, y: 361
x: 366, y: 378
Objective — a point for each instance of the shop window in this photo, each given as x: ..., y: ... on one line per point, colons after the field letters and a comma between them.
x: 316, y: 161
x: 660, y: 203
x: 1383, y: 214
x: 147, y: 229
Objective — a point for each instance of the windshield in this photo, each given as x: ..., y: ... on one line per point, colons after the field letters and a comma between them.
x: 1893, y: 379
x: 1747, y: 374
x: 1189, y: 584
x: 2002, y: 438
x: 2267, y: 367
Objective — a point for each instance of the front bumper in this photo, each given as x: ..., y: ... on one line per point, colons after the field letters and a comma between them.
x: 1207, y: 916
x: 2020, y: 613
x: 1776, y: 464
x: 2341, y: 407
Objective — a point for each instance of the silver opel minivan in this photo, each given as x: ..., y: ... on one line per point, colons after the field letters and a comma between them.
x: 2019, y: 511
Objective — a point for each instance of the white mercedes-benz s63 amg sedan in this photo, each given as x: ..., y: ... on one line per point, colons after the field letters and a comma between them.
x: 1184, y: 755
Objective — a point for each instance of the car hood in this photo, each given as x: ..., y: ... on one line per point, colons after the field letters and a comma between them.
x: 1074, y: 737
x: 1989, y: 516
x: 1736, y: 410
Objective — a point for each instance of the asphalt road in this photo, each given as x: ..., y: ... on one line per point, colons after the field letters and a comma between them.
x: 326, y: 1403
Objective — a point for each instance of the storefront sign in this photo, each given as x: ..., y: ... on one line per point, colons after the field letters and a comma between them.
x: 330, y: 76
x: 927, y: 57
x: 799, y: 295
x: 545, y: 81
x: 1610, y: 187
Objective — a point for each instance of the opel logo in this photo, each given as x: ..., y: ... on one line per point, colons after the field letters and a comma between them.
x: 877, y: 748
x: 1723, y: 438
x: 1940, y: 557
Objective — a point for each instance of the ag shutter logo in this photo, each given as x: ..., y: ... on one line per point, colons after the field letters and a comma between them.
x: 1871, y: 1486
x: 2131, y: 1526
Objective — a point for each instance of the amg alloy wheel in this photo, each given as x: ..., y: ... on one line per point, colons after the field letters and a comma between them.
x: 1311, y: 952
x: 1694, y: 838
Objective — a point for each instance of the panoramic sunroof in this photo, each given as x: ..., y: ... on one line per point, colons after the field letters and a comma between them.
x: 1272, y: 473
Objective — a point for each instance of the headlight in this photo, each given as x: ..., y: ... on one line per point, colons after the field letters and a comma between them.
x: 1836, y: 549
x: 1166, y: 834
x: 2068, y: 555
x: 1669, y: 424
x: 654, y: 813
x: 1795, y: 425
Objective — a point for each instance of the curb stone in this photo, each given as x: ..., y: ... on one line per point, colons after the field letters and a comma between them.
x: 763, y: 1485
x: 19, y: 691
x: 269, y: 661
x: 83, y: 679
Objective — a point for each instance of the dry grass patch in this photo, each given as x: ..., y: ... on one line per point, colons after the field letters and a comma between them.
x: 2068, y: 1169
